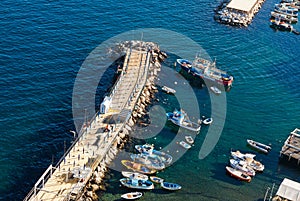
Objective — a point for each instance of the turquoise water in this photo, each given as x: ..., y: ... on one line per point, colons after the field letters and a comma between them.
x: 43, y: 44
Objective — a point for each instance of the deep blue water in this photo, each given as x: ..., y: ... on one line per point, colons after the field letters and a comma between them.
x: 43, y: 44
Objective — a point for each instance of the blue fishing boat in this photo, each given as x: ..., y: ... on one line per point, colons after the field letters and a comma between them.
x: 137, y: 184
x: 181, y: 119
x: 149, y: 149
x: 170, y: 186
x: 206, y: 70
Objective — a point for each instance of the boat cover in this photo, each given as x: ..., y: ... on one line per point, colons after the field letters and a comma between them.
x: 289, y: 189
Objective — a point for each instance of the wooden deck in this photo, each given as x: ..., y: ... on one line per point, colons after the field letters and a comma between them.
x: 68, y: 178
x: 291, y: 147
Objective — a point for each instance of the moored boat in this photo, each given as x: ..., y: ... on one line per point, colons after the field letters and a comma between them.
x: 238, y: 174
x: 259, y: 146
x: 181, y: 119
x: 189, y: 139
x: 132, y: 195
x: 207, y: 121
x: 138, y: 184
x: 215, y: 89
x: 283, y: 17
x: 238, y: 155
x: 206, y: 70
x: 242, y: 166
x: 168, y: 90
x: 134, y: 175
x: 184, y: 145
x: 149, y: 149
x: 137, y: 167
x: 170, y: 186
x: 156, y: 179
x: 151, y: 161
x: 277, y: 24
x: 255, y: 165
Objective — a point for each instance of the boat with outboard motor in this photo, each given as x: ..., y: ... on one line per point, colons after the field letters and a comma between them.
x: 170, y: 186
x: 149, y: 149
x: 136, y: 183
x: 242, y: 166
x: 181, y: 119
x: 238, y: 174
x: 134, y: 175
x: 206, y: 70
x: 259, y: 146
x: 151, y: 161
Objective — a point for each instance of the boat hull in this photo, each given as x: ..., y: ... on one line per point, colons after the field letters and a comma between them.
x: 137, y: 184
x: 237, y: 174
x: 137, y: 167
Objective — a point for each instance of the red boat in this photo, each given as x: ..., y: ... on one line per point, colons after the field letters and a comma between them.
x: 238, y: 174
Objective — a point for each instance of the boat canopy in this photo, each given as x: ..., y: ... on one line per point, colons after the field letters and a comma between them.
x: 289, y: 189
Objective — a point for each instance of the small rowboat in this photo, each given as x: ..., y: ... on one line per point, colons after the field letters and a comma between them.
x: 168, y: 90
x: 259, y: 146
x: 189, y: 139
x: 132, y: 195
x: 238, y: 174
x: 155, y: 179
x: 134, y: 175
x: 170, y: 186
x: 207, y: 121
x: 138, y: 184
x: 215, y: 90
x: 185, y: 145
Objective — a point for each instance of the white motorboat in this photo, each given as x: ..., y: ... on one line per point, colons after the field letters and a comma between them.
x: 215, y: 89
x: 149, y: 149
x: 242, y: 166
x: 134, y: 175
x: 138, y: 184
x: 132, y: 195
x: 255, y: 165
x: 184, y: 145
x: 168, y: 90
x: 207, y: 121
x: 181, y: 119
x: 240, y: 156
x: 259, y: 146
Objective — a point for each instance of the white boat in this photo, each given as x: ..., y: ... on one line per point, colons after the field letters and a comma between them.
x: 207, y: 121
x: 189, y: 139
x: 156, y: 179
x: 238, y: 174
x: 149, y: 149
x: 138, y: 184
x: 242, y: 166
x: 134, y: 175
x: 215, y: 90
x: 168, y: 90
x: 240, y: 156
x: 255, y: 165
x: 132, y: 195
x: 259, y: 146
x: 184, y: 145
x: 181, y: 119
x: 151, y: 161
x: 170, y: 186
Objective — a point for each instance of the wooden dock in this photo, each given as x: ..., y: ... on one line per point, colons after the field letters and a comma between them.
x: 291, y: 147
x: 66, y: 181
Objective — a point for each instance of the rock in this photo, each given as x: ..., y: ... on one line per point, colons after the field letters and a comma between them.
x: 102, y: 188
x: 95, y: 187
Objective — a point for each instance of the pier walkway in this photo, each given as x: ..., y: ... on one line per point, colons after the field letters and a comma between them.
x: 68, y: 178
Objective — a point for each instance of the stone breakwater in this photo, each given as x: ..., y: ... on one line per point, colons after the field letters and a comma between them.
x: 96, y: 184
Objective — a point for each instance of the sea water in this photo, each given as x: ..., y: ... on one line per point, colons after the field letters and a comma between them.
x: 43, y: 44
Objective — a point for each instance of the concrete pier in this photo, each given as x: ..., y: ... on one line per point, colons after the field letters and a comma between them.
x: 96, y: 144
x: 291, y: 147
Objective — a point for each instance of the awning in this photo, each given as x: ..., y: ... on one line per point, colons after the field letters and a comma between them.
x: 289, y: 189
x: 242, y: 5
